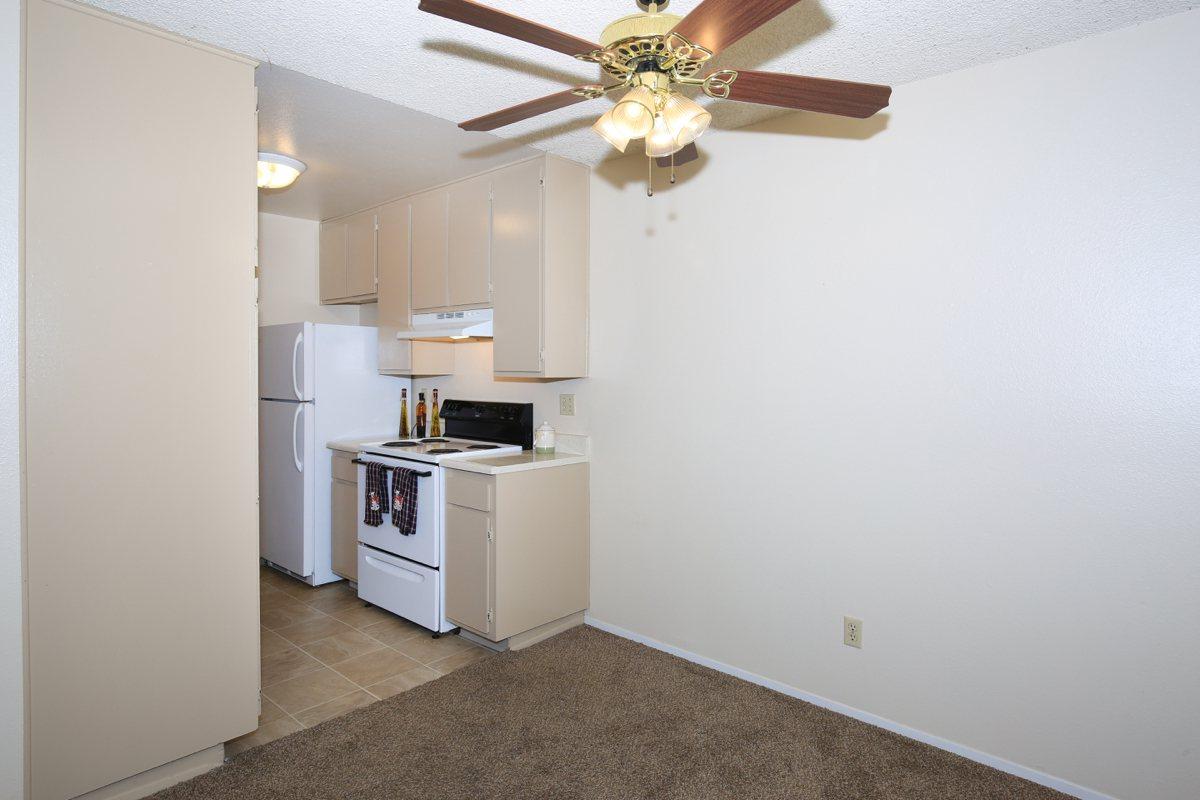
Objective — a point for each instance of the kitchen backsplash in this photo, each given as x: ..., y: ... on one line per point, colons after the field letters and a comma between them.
x: 473, y: 380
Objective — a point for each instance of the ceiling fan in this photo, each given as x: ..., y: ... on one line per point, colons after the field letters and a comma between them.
x: 650, y: 54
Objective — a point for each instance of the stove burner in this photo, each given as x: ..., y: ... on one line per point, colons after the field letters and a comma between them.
x: 435, y: 440
x: 482, y: 446
x: 437, y: 451
x: 399, y: 444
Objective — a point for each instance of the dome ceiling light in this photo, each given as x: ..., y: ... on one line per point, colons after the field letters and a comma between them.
x: 276, y: 171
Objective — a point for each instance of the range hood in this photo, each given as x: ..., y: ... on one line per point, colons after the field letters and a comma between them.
x: 442, y: 326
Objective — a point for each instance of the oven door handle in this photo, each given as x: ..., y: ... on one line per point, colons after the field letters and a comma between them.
x: 391, y: 569
x: 362, y: 461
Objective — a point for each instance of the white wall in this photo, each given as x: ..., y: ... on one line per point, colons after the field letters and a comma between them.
x: 288, y: 285
x: 944, y: 378
x: 472, y: 380
x: 12, y: 681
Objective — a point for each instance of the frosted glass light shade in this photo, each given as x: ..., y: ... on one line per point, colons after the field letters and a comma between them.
x: 610, y: 132
x: 276, y: 171
x: 661, y: 141
x: 686, y: 119
x: 634, y: 115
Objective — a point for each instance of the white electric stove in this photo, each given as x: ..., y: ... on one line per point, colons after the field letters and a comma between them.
x: 402, y: 573
x: 436, y: 450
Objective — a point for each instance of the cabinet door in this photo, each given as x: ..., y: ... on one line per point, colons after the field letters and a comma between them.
x: 360, y: 255
x: 433, y: 358
x: 394, y: 355
x: 333, y: 254
x: 344, y: 529
x: 467, y: 568
x: 517, y: 268
x: 468, y: 268
x: 429, y: 250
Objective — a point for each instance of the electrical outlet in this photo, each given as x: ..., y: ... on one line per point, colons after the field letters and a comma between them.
x: 852, y: 632
x: 566, y: 405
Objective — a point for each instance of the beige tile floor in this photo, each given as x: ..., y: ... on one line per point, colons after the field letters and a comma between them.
x: 325, y: 653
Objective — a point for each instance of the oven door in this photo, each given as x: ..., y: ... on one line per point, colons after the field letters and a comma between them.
x: 422, y: 546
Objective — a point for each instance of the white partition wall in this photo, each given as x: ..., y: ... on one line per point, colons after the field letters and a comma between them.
x: 140, y: 399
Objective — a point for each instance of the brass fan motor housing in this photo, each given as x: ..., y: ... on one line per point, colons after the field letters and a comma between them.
x: 644, y: 42
x: 637, y: 26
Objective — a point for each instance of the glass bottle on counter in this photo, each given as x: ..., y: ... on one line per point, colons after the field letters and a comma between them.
x: 404, y: 432
x: 435, y: 420
x: 420, y: 431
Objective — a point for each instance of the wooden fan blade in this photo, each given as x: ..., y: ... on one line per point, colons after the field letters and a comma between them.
x: 826, y: 96
x: 507, y: 116
x: 716, y: 24
x: 508, y: 25
x: 685, y: 154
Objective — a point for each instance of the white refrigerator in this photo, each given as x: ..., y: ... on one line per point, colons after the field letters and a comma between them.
x: 316, y: 383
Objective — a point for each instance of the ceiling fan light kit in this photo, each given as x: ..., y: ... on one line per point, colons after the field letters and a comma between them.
x: 634, y: 113
x: 649, y: 54
x: 688, y: 119
x: 608, y: 130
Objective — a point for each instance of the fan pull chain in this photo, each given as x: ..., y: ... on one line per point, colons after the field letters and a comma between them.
x: 672, y: 167
x: 649, y: 176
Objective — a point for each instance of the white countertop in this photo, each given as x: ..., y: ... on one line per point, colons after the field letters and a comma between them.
x: 356, y: 444
x: 572, y: 449
x: 517, y: 462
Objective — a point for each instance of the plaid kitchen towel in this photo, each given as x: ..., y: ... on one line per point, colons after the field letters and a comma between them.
x: 376, y: 498
x: 404, y: 501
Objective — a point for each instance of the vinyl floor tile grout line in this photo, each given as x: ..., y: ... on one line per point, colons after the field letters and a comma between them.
x: 306, y: 596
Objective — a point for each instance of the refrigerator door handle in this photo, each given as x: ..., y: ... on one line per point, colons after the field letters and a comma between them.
x: 296, y: 352
x: 295, y: 427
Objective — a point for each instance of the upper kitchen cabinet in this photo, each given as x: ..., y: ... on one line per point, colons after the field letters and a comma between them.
x: 333, y: 254
x: 362, y: 267
x: 402, y: 356
x: 429, y: 232
x: 349, y: 259
x: 450, y: 247
x: 540, y: 269
x: 468, y: 268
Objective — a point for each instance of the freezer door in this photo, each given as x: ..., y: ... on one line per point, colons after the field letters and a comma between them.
x: 285, y: 484
x: 286, y: 362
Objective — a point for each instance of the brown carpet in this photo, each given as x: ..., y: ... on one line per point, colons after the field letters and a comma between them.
x: 590, y: 715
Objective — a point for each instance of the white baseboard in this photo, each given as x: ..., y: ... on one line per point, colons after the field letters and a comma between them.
x: 1049, y: 781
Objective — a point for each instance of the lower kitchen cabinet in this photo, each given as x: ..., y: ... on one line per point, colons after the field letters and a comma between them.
x: 516, y: 550
x: 344, y: 509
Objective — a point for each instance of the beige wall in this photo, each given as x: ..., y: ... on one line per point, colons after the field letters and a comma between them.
x: 943, y: 378
x: 472, y: 380
x: 287, y: 285
x: 12, y: 721
x: 119, y: 566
